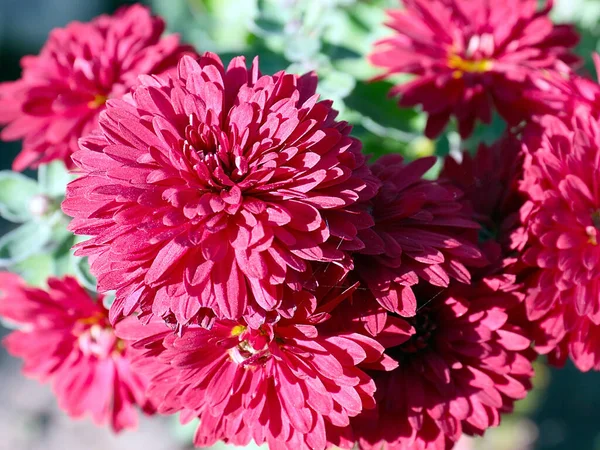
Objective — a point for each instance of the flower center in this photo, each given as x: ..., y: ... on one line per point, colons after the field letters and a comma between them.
x: 100, y: 342
x: 211, y: 147
x: 592, y: 231
x: 253, y: 348
x: 424, y: 329
x: 462, y: 65
x: 96, y: 338
x: 99, y: 100
x: 237, y: 330
x: 477, y: 57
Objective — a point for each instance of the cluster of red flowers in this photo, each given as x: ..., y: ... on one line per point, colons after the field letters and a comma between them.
x: 272, y: 283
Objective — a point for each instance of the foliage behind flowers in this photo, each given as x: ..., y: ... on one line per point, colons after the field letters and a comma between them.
x: 253, y: 230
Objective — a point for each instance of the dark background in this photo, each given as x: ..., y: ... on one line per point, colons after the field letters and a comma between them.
x: 564, y: 411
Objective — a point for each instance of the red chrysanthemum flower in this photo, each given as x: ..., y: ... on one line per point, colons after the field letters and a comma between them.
x: 290, y: 383
x: 465, y: 364
x: 65, y: 339
x: 421, y: 232
x: 559, y: 95
x: 561, y: 333
x: 214, y: 189
x: 63, y: 90
x: 469, y: 56
x: 562, y: 218
x: 489, y: 183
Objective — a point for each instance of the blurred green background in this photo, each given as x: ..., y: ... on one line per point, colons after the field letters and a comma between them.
x: 331, y: 37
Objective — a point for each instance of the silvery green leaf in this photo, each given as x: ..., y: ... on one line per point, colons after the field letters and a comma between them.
x: 83, y: 274
x: 336, y: 85
x: 302, y: 48
x: 381, y: 114
x: 230, y: 22
x: 36, y: 269
x: 53, y: 179
x: 16, y: 192
x: 19, y: 244
x: 108, y: 300
x: 64, y: 261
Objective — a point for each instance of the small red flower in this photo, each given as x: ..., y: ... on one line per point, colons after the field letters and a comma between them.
x: 290, y: 384
x: 469, y: 56
x: 63, y: 90
x: 214, y: 189
x: 562, y: 218
x: 421, y: 232
x: 65, y: 339
x: 465, y: 364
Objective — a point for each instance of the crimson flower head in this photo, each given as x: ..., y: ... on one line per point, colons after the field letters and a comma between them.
x: 65, y: 339
x: 469, y: 57
x: 421, y: 232
x: 560, y: 95
x: 291, y: 384
x: 62, y: 91
x: 562, y: 218
x: 489, y: 182
x: 212, y: 190
x: 465, y: 364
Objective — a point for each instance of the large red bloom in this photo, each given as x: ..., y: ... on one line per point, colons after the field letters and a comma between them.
x: 214, y: 189
x: 421, y: 232
x: 64, y: 88
x: 65, y: 339
x: 465, y: 365
x: 290, y: 383
x: 469, y: 56
x: 489, y: 183
x: 562, y: 218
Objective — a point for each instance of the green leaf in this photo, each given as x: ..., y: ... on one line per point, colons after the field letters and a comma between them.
x: 336, y: 85
x: 270, y: 62
x: 266, y: 25
x: 108, y: 300
x: 16, y: 191
x: 23, y: 242
x: 340, y: 52
x: 36, y: 269
x: 53, y: 179
x: 229, y: 22
x: 83, y: 274
x: 64, y: 261
x: 377, y: 146
x: 302, y: 48
x: 485, y: 133
x: 371, y: 100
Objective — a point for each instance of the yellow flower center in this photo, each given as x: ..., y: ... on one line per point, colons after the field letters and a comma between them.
x: 99, y: 100
x: 92, y: 320
x: 237, y: 330
x: 462, y: 66
x: 120, y: 346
